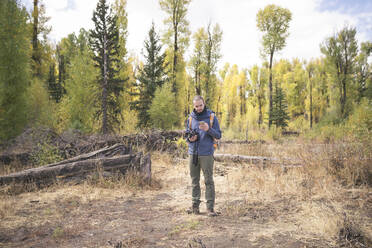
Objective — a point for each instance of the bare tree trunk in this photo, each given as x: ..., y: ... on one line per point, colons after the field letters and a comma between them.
x: 35, y: 44
x: 311, y: 100
x: 259, y: 113
x: 271, y: 88
x: 104, y: 87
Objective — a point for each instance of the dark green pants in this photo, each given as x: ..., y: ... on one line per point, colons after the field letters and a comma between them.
x: 205, y: 163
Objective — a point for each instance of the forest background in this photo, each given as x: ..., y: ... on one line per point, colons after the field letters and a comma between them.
x: 90, y: 82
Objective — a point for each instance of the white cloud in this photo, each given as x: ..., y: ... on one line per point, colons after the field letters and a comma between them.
x: 56, y: 5
x: 237, y: 18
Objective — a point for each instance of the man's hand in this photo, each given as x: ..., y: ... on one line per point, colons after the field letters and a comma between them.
x: 203, y: 126
x: 193, y: 138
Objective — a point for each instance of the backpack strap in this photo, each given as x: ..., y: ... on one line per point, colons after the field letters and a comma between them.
x: 211, y: 119
x: 190, y: 122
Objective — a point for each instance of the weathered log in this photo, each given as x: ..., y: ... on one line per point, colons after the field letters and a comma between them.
x: 117, y: 149
x: 256, y: 160
x: 242, y: 142
x: 48, y: 173
x: 155, y: 140
x: 243, y: 158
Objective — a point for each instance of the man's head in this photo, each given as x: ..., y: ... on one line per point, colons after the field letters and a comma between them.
x: 199, y: 104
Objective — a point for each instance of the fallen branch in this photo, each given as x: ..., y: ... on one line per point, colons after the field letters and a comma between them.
x: 255, y: 160
x: 242, y: 158
x: 80, y: 168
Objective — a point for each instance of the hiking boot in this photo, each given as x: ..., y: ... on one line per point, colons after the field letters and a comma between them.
x: 211, y: 213
x: 193, y: 210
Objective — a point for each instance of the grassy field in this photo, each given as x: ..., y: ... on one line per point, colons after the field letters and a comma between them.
x: 324, y: 201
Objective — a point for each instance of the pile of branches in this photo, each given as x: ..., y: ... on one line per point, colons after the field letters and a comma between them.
x: 74, y: 143
x: 114, y: 159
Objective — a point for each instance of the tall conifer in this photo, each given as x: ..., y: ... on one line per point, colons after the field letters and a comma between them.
x: 104, y: 40
x: 151, y: 76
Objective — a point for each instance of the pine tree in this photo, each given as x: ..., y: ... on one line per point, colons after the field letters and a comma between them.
x: 104, y: 40
x: 14, y: 68
x: 279, y: 115
x: 151, y: 76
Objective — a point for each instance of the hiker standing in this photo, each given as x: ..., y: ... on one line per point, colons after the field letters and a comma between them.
x: 203, y: 129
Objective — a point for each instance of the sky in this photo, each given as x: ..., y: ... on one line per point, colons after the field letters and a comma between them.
x: 312, y: 22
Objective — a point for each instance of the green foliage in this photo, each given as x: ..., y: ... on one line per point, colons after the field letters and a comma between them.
x: 204, y: 61
x: 14, y: 68
x: 41, y: 50
x: 41, y: 110
x: 341, y: 52
x: 360, y: 121
x: 176, y: 37
x: 151, y: 77
x: 104, y: 41
x: 78, y: 106
x: 279, y: 115
x: 46, y: 154
x: 274, y: 21
x: 162, y: 112
x: 181, y: 143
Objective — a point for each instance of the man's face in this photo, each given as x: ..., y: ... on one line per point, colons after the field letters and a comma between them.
x: 199, y: 105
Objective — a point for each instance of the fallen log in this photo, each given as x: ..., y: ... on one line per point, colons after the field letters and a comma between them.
x: 256, y: 160
x: 81, y: 168
x: 71, y: 147
x: 253, y: 142
x: 243, y: 158
x: 117, y: 149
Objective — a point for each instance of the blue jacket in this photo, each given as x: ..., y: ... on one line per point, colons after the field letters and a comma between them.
x: 204, y: 144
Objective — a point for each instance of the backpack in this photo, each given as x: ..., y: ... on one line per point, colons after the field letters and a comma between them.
x: 211, y: 119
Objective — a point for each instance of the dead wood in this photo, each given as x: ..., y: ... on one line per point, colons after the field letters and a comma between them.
x: 253, y: 142
x: 242, y: 158
x: 80, y: 167
x: 74, y: 144
x: 256, y: 160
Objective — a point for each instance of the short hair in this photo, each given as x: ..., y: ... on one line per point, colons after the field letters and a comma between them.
x: 197, y: 98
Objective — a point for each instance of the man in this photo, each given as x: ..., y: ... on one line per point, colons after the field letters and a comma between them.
x: 204, y: 128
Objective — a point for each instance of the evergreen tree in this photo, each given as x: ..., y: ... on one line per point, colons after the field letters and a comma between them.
x: 151, y: 76
x: 104, y: 40
x: 279, y: 115
x: 14, y: 68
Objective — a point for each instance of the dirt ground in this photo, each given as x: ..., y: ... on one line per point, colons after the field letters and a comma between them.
x: 110, y: 215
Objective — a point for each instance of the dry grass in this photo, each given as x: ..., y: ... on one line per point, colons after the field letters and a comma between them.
x: 320, y: 188
x: 325, y: 200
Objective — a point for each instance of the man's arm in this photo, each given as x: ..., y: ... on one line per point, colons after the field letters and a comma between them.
x: 215, y: 130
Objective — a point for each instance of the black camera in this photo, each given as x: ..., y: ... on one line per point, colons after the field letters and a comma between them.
x: 191, y: 133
